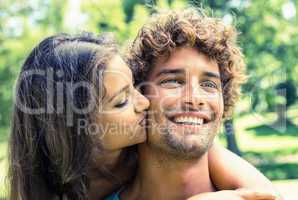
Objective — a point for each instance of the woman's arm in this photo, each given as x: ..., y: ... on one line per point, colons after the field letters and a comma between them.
x: 234, y: 195
x: 235, y: 178
x: 229, y: 172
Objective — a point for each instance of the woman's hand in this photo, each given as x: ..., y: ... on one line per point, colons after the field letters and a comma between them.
x: 241, y: 194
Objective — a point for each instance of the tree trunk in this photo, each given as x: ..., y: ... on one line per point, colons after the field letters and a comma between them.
x: 230, y: 135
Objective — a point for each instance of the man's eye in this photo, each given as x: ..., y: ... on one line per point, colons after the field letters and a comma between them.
x: 171, y: 83
x: 210, y: 84
x: 122, y: 103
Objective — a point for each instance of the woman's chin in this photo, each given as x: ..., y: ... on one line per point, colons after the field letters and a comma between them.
x: 138, y: 138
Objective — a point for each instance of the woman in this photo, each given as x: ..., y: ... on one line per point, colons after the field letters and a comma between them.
x: 75, y: 121
x: 67, y: 86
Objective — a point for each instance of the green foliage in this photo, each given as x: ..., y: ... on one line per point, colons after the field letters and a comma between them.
x: 279, y: 171
x: 128, y: 9
x: 269, y: 42
x: 20, y: 32
x: 269, y: 51
x: 271, y: 164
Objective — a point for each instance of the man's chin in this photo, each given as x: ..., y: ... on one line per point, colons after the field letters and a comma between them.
x: 189, y: 147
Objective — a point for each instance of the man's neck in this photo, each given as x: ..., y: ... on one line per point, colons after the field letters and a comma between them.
x: 161, y: 176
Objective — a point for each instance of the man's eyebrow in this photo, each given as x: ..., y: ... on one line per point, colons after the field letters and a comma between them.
x: 118, y: 92
x: 170, y: 71
x: 212, y: 75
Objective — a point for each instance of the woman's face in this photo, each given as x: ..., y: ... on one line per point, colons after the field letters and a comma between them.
x: 122, y: 116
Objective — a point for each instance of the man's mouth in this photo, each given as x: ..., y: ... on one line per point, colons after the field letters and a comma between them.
x: 193, y: 119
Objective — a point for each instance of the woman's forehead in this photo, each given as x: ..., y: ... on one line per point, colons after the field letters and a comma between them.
x: 116, y: 76
x: 117, y: 66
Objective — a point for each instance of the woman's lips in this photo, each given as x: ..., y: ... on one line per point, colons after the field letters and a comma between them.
x: 142, y: 122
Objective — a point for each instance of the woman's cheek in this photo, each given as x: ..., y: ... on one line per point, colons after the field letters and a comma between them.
x: 126, y: 119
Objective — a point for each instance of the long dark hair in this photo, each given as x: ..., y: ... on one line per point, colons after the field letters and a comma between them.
x: 48, y: 151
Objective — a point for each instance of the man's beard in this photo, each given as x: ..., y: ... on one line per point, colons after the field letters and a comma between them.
x: 180, y: 147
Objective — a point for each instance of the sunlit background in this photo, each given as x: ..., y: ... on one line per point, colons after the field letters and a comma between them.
x: 264, y: 129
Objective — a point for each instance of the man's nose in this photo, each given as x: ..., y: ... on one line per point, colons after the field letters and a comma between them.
x: 141, y: 102
x: 194, y: 96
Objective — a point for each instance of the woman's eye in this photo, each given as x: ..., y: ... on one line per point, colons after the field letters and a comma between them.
x: 171, y: 83
x: 210, y: 84
x: 121, y: 103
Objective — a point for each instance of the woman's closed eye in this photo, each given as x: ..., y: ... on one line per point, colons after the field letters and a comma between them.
x: 122, y: 102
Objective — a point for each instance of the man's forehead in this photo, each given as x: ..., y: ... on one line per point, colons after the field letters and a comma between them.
x: 182, y: 60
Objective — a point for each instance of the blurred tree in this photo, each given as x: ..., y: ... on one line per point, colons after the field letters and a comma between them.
x: 288, y: 90
x: 128, y: 8
x: 230, y: 136
x: 288, y: 93
x: 269, y: 52
x: 22, y: 25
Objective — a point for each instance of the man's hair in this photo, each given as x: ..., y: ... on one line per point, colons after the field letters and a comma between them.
x: 167, y: 30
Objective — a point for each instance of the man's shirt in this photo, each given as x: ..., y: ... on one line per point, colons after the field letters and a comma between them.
x: 114, y: 195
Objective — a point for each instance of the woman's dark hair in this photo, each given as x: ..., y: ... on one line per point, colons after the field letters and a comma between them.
x: 58, y: 88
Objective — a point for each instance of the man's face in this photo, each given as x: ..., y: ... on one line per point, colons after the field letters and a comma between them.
x: 186, y: 103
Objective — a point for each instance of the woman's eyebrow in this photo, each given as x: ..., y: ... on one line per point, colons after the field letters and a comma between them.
x: 118, y: 92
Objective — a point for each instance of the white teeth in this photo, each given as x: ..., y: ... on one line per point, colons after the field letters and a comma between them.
x: 190, y: 120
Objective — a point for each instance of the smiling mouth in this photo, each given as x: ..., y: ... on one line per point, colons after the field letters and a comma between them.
x: 189, y: 120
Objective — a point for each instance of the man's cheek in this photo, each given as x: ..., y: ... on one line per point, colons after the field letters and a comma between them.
x: 217, y: 105
x: 170, y: 103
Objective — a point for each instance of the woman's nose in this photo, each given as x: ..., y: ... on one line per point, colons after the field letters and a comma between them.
x: 142, y: 103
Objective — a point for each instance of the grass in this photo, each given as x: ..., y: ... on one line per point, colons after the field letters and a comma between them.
x: 293, y: 181
x: 272, y: 149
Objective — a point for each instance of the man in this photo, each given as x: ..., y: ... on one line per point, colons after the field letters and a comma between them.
x: 193, y: 70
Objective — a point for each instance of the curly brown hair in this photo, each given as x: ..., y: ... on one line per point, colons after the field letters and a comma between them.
x: 167, y: 30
